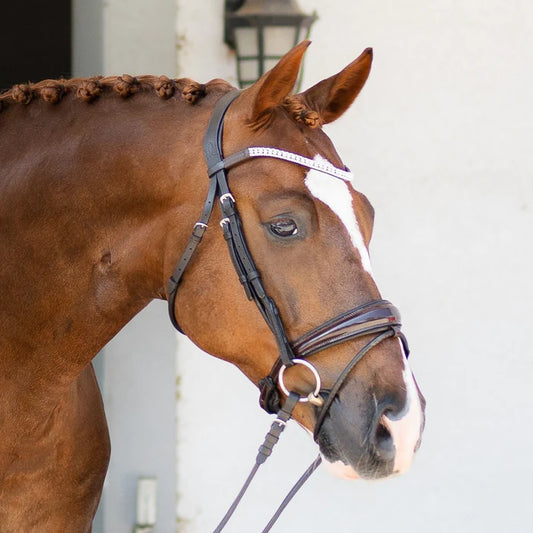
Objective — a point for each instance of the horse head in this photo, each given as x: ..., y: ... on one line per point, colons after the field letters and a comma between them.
x: 308, y: 232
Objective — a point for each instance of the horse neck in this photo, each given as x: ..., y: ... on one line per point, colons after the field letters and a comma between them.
x: 93, y: 222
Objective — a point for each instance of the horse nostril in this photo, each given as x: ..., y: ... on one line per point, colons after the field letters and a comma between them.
x: 383, y: 443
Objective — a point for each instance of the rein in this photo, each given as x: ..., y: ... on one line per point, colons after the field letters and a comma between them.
x: 379, y: 318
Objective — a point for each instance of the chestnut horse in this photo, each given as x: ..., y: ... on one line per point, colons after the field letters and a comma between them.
x: 101, y: 182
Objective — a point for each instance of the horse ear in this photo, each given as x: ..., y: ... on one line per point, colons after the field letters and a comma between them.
x: 331, y: 97
x: 272, y: 88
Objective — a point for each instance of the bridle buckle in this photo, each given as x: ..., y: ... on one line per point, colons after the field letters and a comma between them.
x: 199, y: 230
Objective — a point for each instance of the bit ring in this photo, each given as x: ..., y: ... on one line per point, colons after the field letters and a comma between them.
x: 312, y: 397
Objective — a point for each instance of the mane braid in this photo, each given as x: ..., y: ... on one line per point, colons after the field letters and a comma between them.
x: 125, y: 86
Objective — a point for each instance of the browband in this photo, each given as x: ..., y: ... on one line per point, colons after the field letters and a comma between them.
x: 276, y: 153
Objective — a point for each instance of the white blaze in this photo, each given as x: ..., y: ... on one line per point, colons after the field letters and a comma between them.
x: 335, y: 193
x: 405, y: 431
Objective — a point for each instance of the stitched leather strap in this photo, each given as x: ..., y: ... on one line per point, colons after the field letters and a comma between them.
x: 265, y: 450
x: 194, y: 241
x: 215, y: 123
x: 233, y: 232
x: 372, y: 317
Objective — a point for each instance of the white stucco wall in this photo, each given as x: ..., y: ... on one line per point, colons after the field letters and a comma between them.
x: 440, y: 142
x: 138, y: 387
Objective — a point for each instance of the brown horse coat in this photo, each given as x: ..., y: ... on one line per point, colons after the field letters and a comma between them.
x: 101, y: 181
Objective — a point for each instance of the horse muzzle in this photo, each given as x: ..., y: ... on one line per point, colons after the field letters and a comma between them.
x: 376, y: 441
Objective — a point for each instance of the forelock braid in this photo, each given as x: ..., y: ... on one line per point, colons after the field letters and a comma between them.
x: 300, y: 112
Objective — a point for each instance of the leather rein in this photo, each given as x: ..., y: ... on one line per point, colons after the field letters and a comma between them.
x: 379, y: 318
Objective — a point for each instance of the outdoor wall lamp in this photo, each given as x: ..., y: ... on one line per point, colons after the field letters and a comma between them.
x: 261, y: 32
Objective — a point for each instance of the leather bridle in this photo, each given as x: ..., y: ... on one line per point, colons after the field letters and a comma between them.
x: 379, y: 318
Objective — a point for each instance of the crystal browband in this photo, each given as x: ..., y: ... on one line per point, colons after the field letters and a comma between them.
x: 265, y: 151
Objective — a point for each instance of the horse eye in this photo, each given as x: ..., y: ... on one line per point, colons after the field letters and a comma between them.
x: 284, y: 227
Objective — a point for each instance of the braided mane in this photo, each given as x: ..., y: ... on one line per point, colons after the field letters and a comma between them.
x: 90, y: 89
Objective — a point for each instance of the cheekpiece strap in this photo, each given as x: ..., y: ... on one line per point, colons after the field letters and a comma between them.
x: 233, y: 232
x: 212, y: 157
x: 213, y: 133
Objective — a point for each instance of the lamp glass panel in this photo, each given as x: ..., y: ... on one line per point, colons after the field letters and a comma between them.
x: 246, y: 40
x: 249, y: 69
x: 270, y: 63
x: 278, y: 40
